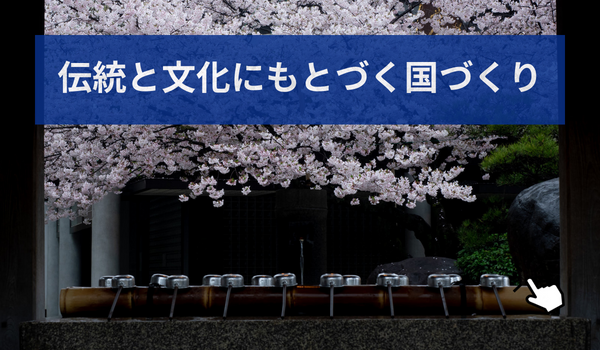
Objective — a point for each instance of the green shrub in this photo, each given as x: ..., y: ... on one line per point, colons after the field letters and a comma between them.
x: 485, y: 249
x: 494, y: 257
x: 477, y: 232
x: 527, y: 156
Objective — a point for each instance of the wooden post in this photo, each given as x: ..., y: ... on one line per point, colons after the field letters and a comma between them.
x: 579, y: 169
x: 22, y: 234
x: 580, y: 222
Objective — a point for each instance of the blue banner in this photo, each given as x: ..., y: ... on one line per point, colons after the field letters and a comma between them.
x: 267, y: 79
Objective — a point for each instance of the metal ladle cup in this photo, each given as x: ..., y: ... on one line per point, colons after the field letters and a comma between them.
x: 105, y: 281
x: 351, y: 280
x: 331, y: 280
x: 176, y: 282
x: 230, y: 281
x: 157, y: 280
x: 120, y: 282
x: 442, y: 281
x: 390, y: 280
x: 495, y: 281
x: 211, y: 280
x: 263, y: 281
x: 284, y: 280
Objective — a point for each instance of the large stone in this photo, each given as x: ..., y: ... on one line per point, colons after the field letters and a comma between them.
x: 533, y: 233
x: 417, y: 269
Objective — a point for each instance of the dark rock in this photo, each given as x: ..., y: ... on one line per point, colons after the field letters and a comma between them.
x: 533, y: 233
x: 417, y: 269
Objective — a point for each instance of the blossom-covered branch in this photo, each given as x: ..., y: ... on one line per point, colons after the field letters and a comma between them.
x: 85, y: 162
x: 301, y: 17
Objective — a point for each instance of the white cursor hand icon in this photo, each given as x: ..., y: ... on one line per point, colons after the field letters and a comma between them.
x: 548, y: 298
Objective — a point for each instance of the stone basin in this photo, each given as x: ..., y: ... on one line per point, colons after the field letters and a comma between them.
x: 301, y: 332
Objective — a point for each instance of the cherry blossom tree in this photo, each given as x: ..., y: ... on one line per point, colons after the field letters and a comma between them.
x: 85, y: 162
x: 300, y: 17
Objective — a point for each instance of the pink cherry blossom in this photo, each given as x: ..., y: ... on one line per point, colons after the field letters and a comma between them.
x: 83, y: 175
x: 303, y: 17
x: 83, y: 163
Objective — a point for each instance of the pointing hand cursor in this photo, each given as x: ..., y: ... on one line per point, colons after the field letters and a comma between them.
x: 548, y: 298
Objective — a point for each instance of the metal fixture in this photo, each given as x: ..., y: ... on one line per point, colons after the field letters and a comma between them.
x: 442, y: 281
x: 351, y: 280
x: 211, y: 280
x: 331, y: 280
x: 284, y: 280
x: 263, y: 281
x: 390, y: 280
x: 158, y: 280
x: 120, y: 282
x: 301, y: 261
x: 105, y: 281
x: 230, y: 281
x: 495, y: 281
x: 176, y: 282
